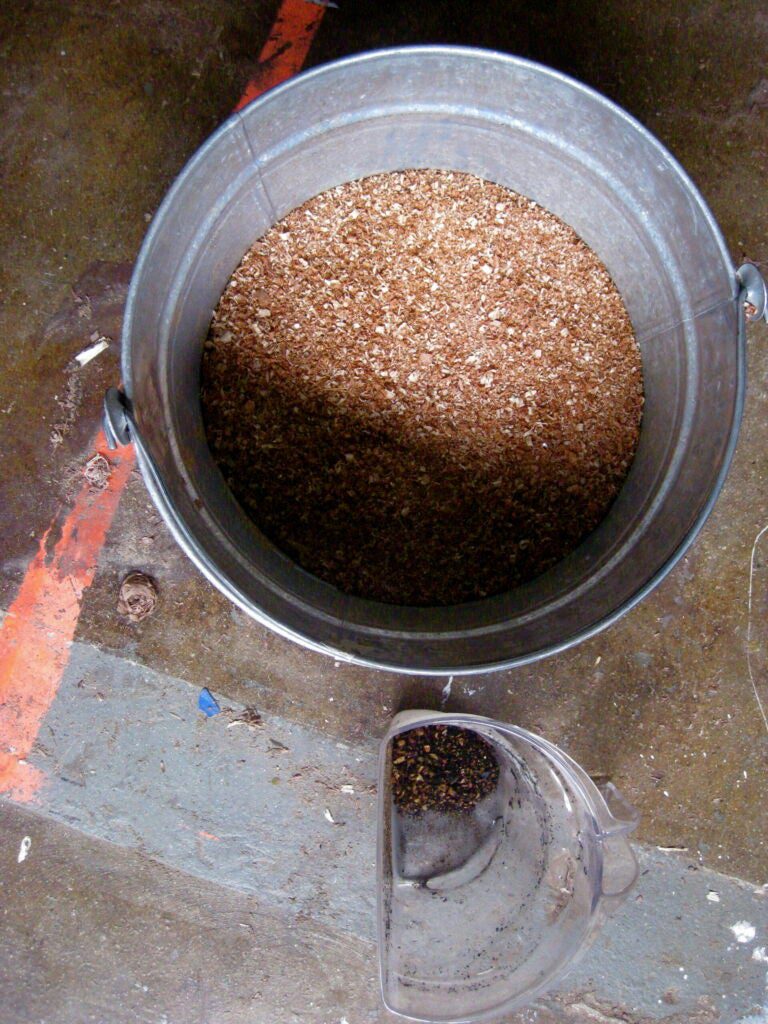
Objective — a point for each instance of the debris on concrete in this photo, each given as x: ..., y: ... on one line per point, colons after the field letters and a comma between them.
x: 713, y: 896
x: 328, y: 815
x: 26, y: 844
x: 138, y: 596
x: 207, y: 703
x: 69, y: 405
x: 84, y: 357
x: 744, y: 931
x: 759, y: 954
x: 347, y: 789
x: 83, y: 305
x: 276, y: 747
x: 208, y: 835
x: 248, y: 716
x: 97, y: 472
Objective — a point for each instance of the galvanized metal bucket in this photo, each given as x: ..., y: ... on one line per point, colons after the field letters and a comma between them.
x: 537, y: 132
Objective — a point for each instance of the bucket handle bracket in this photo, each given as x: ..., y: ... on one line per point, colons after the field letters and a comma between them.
x: 753, y: 291
x: 118, y: 422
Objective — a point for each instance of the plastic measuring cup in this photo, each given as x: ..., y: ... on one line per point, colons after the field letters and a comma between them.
x: 481, y: 911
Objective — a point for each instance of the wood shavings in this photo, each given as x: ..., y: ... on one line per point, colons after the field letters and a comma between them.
x: 97, y: 472
x: 138, y: 596
x: 422, y: 387
x: 83, y: 304
x: 442, y: 768
x: 69, y: 405
x: 248, y: 717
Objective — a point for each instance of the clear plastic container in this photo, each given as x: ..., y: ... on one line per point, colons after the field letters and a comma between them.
x: 481, y: 911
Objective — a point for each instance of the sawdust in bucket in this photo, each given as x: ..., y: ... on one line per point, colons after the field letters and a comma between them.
x: 423, y: 387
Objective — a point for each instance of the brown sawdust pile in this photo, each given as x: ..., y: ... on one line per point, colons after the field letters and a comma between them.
x: 423, y: 387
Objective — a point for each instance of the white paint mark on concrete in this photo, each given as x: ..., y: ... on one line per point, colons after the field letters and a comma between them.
x: 713, y: 897
x: 744, y: 931
x: 329, y: 817
x: 24, y: 849
x: 446, y: 691
x: 759, y: 954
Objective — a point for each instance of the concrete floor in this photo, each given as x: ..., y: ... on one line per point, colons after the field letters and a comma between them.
x: 101, y: 105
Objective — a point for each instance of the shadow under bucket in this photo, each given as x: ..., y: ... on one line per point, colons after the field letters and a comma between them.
x: 540, y: 134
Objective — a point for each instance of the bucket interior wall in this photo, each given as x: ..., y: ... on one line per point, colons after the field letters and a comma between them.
x: 543, y: 136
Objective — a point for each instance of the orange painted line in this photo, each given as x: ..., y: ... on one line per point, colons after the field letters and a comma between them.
x: 38, y: 629
x: 287, y: 47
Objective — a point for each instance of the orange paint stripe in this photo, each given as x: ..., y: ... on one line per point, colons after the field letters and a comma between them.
x: 38, y: 630
x: 287, y: 47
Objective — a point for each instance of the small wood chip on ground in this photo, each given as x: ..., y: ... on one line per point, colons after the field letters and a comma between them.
x: 248, y: 716
x: 138, y: 596
x: 423, y: 387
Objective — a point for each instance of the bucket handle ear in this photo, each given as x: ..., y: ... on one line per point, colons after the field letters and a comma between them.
x: 117, y: 419
x: 754, y: 291
x: 120, y: 429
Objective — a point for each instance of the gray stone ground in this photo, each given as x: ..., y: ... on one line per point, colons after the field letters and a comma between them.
x: 184, y: 832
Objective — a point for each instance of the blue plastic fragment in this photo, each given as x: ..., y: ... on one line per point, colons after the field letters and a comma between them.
x: 208, y: 703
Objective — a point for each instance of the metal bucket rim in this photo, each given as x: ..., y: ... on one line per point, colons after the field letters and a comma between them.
x: 430, y: 50
x: 178, y: 526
